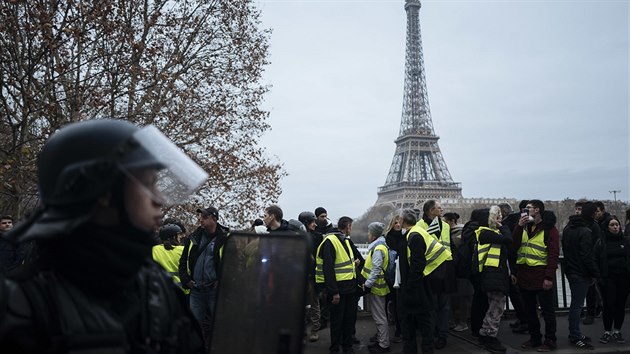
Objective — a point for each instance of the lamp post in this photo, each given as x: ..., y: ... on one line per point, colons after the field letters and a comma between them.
x: 614, y: 192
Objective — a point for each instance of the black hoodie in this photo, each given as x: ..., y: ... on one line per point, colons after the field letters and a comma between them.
x: 577, y: 246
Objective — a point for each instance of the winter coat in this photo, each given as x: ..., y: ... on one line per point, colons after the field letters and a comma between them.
x: 415, y: 295
x: 497, y: 278
x: 192, y: 252
x: 607, y: 245
x: 531, y: 278
x: 577, y: 247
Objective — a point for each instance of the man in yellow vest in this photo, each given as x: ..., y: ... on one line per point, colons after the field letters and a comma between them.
x: 374, y: 272
x: 443, y: 280
x: 336, y: 268
x: 537, y: 242
x: 168, y: 253
x: 419, y: 257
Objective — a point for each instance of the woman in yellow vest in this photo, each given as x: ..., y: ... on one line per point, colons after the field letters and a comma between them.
x: 374, y: 272
x: 493, y: 241
x: 169, y: 252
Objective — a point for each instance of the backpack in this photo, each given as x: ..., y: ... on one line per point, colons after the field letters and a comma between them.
x: 390, y: 272
x: 466, y: 254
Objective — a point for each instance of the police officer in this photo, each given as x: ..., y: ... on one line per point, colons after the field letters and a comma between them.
x: 94, y: 287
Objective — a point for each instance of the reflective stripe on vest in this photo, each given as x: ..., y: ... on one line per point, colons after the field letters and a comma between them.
x: 436, y: 253
x: 169, y: 260
x: 344, y: 266
x: 533, y: 251
x: 445, y: 234
x: 488, y: 254
x: 379, y: 287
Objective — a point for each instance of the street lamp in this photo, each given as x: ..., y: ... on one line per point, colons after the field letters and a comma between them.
x: 615, y: 203
x: 614, y: 194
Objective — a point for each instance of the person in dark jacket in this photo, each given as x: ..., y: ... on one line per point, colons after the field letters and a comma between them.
x: 510, y: 220
x: 396, y: 241
x: 493, y: 244
x: 200, y: 266
x: 612, y: 255
x: 337, y: 269
x: 415, y: 301
x: 479, y: 304
x: 593, y: 295
x: 94, y: 287
x: 579, y: 267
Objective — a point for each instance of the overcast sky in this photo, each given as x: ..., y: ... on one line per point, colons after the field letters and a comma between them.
x: 529, y: 98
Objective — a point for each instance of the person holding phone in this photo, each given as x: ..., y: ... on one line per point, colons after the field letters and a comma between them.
x: 537, y: 242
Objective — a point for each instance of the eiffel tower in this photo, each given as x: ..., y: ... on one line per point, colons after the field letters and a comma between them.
x: 418, y: 171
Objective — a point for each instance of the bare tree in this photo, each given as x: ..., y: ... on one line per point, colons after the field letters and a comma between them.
x: 192, y: 68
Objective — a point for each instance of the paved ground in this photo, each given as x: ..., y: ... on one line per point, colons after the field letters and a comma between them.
x: 464, y: 343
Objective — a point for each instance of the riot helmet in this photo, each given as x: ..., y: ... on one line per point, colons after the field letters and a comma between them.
x: 82, y: 161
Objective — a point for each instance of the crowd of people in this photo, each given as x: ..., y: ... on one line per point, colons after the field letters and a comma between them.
x: 78, y: 276
x: 498, y: 254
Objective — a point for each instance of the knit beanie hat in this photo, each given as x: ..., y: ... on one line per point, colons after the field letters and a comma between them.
x: 319, y: 211
x: 376, y: 228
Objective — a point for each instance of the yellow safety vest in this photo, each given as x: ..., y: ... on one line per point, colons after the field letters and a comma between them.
x: 169, y: 260
x: 379, y: 287
x: 435, y: 254
x: 533, y: 251
x: 445, y: 234
x: 488, y: 254
x: 344, y: 264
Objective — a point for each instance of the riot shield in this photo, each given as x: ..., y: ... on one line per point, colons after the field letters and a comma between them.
x: 262, y: 290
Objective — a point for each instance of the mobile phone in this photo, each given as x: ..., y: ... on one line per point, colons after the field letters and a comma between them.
x: 524, y: 212
x: 262, y: 294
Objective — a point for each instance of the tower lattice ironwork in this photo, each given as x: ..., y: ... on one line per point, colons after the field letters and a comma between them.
x: 418, y: 171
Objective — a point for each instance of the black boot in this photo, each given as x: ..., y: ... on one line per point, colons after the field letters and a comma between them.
x: 493, y: 345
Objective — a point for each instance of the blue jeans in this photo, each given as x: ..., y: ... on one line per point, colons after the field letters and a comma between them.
x: 579, y: 285
x: 203, y: 302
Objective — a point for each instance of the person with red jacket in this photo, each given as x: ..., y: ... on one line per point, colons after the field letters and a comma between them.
x: 537, y: 242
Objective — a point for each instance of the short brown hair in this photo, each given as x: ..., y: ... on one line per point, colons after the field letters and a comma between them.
x: 275, y: 211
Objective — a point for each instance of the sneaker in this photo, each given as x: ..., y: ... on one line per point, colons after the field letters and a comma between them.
x: 531, y: 344
x: 582, y: 343
x: 314, y: 337
x: 605, y: 338
x: 493, y: 345
x: 440, y: 343
x: 618, y: 337
x: 588, y: 320
x: 521, y: 329
x: 378, y: 349
x: 460, y: 327
x: 548, y: 345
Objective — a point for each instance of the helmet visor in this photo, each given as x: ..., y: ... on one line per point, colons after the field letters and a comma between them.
x: 178, y: 175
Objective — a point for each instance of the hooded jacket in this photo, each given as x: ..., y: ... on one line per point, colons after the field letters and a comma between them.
x: 577, y: 247
x: 531, y: 278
